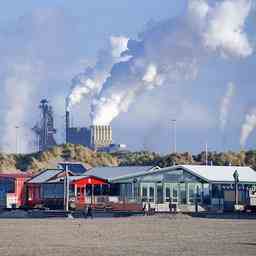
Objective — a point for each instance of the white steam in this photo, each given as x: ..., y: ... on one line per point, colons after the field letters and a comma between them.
x: 222, y: 25
x: 118, y: 45
x: 172, y: 51
x: 90, y: 81
x: 226, y: 105
x: 19, y: 88
x: 248, y: 126
x: 150, y: 74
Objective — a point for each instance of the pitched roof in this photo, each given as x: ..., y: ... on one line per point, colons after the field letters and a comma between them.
x: 221, y: 173
x: 70, y: 178
x: 75, y: 167
x: 110, y: 173
x: 45, y: 176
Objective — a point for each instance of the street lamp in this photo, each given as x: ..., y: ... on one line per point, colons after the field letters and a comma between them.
x: 17, y: 129
x: 174, y: 136
x: 236, y: 179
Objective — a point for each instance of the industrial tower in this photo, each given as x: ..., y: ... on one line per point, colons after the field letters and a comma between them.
x: 45, y: 128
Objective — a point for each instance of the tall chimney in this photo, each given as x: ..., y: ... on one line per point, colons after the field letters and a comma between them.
x: 67, y: 125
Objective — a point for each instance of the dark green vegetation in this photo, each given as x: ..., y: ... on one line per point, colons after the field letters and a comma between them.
x: 50, y: 158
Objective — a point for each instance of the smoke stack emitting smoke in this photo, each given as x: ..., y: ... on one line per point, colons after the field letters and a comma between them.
x: 248, y: 126
x: 170, y: 51
x: 91, y: 80
x: 165, y: 53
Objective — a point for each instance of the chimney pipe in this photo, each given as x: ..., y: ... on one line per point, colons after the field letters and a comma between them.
x: 67, y: 125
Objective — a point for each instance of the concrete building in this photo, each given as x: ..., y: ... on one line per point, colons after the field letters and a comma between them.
x: 101, y: 136
x: 95, y: 137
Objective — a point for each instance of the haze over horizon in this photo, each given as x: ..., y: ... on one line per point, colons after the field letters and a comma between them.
x: 134, y: 65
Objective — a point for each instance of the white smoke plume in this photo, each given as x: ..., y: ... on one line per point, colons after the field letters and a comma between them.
x: 226, y: 105
x: 222, y: 25
x: 90, y: 81
x: 19, y: 87
x: 172, y: 51
x: 248, y: 126
x: 38, y: 53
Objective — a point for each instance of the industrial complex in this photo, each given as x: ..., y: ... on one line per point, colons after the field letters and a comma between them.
x: 95, y: 137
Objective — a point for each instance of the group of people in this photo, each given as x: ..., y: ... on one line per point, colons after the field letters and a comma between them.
x: 150, y: 211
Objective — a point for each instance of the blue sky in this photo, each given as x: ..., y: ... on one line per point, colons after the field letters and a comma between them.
x: 44, y: 44
x: 99, y: 18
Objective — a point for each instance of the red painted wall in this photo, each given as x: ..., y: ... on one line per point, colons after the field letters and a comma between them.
x: 89, y: 181
x: 34, y: 194
x: 19, y: 187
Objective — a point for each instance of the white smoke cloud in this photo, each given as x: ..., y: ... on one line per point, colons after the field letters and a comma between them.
x: 91, y: 81
x: 38, y: 54
x: 222, y: 25
x: 248, y: 126
x: 172, y: 51
x: 226, y: 105
x: 19, y: 88
x: 118, y: 45
x: 150, y: 74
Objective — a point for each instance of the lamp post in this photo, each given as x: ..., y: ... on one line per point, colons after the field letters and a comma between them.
x: 17, y: 139
x: 174, y: 136
x: 236, y: 179
x: 65, y: 155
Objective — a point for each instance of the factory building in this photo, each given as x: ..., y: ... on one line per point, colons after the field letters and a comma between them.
x: 95, y: 137
x: 79, y: 135
x: 101, y: 136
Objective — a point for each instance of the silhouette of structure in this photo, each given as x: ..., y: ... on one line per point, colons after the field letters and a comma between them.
x: 45, y: 128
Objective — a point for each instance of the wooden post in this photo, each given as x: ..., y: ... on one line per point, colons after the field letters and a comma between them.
x: 66, y: 184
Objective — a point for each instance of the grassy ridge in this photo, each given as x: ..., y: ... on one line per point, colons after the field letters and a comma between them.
x: 49, y: 158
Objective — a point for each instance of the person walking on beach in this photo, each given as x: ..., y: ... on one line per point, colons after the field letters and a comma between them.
x: 89, y: 211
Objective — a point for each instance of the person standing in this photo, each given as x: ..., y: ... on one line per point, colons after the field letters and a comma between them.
x: 89, y: 211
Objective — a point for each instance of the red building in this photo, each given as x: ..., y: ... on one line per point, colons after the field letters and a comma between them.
x: 88, y: 189
x: 47, y: 189
x: 13, y: 190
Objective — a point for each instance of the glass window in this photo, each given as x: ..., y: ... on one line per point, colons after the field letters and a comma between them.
x: 144, y: 193
x: 216, y: 191
x: 105, y: 189
x: 88, y: 190
x: 159, y: 193
x: 96, y: 190
x: 192, y: 192
x: 167, y: 193
x: 183, y: 194
x: 175, y: 192
x: 115, y: 189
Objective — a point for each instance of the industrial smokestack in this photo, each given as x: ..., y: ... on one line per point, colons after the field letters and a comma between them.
x: 67, y: 125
